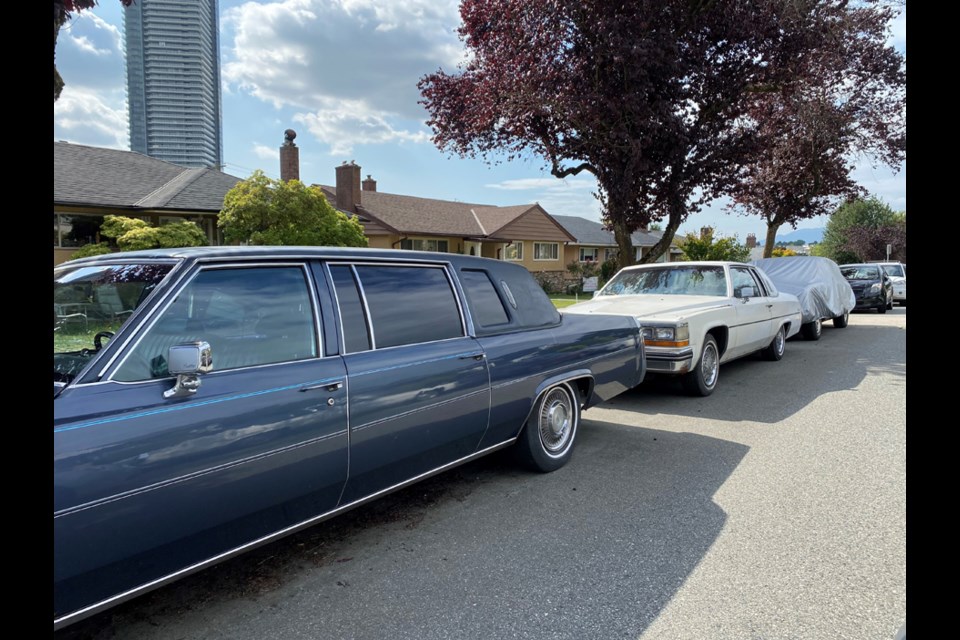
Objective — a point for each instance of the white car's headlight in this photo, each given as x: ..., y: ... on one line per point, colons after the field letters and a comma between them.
x: 668, y: 336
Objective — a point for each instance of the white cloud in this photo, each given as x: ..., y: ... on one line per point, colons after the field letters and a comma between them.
x: 551, y: 183
x: 264, y: 152
x: 327, y: 58
x: 89, y: 53
x: 82, y: 116
x: 84, y: 44
x: 344, y: 124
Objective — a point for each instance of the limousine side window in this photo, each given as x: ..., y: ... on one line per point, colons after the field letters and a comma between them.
x: 250, y: 316
x: 406, y: 305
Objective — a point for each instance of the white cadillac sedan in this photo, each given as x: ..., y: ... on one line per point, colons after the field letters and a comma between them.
x: 699, y: 315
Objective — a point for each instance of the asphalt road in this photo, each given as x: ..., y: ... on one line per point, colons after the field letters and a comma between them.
x: 774, y: 509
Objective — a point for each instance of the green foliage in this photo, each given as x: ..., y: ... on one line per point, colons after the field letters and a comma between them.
x: 588, y: 270
x: 704, y: 247
x: 263, y: 211
x: 869, y: 213
x: 781, y: 252
x: 92, y: 249
x: 132, y: 234
x: 608, y: 269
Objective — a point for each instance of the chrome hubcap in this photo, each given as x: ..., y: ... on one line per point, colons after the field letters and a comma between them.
x: 709, y: 365
x: 780, y: 340
x: 555, y: 420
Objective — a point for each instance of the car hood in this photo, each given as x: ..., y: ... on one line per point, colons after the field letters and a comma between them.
x: 649, y: 306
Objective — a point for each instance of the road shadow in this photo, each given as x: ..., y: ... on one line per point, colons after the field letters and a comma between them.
x: 760, y: 391
x: 487, y: 550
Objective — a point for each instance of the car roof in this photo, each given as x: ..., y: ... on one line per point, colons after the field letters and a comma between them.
x: 690, y: 263
x: 291, y: 252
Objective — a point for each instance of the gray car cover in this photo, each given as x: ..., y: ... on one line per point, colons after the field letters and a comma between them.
x: 817, y: 282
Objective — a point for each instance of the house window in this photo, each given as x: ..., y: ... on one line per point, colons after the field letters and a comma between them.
x: 424, y: 244
x: 546, y: 250
x: 75, y: 231
x: 513, y: 251
x: 589, y: 255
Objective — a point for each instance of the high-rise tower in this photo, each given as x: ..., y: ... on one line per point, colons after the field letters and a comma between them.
x: 173, y: 80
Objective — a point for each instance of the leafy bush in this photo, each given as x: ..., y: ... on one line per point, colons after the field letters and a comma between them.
x: 92, y: 249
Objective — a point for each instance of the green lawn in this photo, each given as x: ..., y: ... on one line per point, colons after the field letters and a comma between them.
x: 561, y: 301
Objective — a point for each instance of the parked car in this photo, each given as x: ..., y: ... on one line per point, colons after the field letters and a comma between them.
x: 699, y: 315
x: 823, y: 292
x: 871, y: 286
x: 897, y: 272
x: 241, y: 394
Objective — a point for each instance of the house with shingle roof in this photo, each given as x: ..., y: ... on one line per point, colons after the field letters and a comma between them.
x: 595, y: 243
x: 91, y: 182
x: 524, y: 233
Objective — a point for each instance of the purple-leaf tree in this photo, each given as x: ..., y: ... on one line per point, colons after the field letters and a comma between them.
x: 648, y: 96
x: 843, y: 100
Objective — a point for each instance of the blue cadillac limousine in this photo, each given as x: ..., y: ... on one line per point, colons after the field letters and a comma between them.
x: 211, y: 400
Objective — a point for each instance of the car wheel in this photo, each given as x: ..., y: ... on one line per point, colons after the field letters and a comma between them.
x: 882, y: 308
x: 703, y: 379
x: 774, y: 350
x: 812, y: 330
x: 889, y: 304
x: 841, y: 321
x: 546, y: 443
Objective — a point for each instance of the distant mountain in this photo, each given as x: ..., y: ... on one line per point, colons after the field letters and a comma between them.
x: 807, y: 235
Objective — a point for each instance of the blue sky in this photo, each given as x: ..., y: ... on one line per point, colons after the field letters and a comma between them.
x: 343, y: 74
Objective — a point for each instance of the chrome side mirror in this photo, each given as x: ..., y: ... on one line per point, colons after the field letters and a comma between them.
x: 187, y: 361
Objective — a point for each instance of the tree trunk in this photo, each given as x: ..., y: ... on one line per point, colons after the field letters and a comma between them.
x: 772, y: 228
x: 622, y: 233
x: 663, y: 245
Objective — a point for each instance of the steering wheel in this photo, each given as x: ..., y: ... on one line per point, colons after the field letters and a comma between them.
x: 97, y: 339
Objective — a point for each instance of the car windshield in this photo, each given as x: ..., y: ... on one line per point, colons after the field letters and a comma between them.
x: 90, y: 304
x: 860, y: 273
x: 692, y: 280
x: 894, y: 270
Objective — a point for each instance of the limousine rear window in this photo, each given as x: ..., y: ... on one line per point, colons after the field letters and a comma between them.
x: 485, y: 305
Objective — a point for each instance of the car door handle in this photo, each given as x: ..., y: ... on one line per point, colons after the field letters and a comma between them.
x: 770, y: 306
x: 329, y: 386
x: 473, y: 356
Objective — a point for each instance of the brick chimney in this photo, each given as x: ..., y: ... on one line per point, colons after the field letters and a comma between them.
x: 751, y: 241
x: 348, y: 186
x: 289, y: 157
x: 369, y: 184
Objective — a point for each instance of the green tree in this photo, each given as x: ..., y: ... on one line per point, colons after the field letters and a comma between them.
x: 264, y: 211
x: 132, y: 234
x: 705, y: 247
x: 869, y: 213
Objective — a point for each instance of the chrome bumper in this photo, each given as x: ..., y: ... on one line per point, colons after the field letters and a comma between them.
x: 665, y: 360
